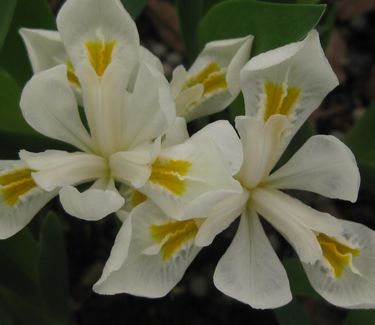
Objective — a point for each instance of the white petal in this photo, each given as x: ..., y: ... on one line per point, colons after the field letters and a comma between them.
x: 261, y: 146
x: 296, y: 221
x: 130, y: 271
x: 176, y: 133
x: 145, y: 117
x: 350, y: 290
x: 13, y: 218
x: 207, y: 175
x: 227, y: 141
x: 92, y: 204
x: 150, y: 60
x: 44, y: 48
x: 55, y: 168
x: 179, y: 76
x: 220, y: 216
x: 250, y: 270
x: 49, y: 105
x: 302, y: 65
x: 323, y: 165
x: 96, y: 20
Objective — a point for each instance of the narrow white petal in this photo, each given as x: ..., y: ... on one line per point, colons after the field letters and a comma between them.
x: 351, y: 289
x: 44, y: 48
x: 176, y: 133
x: 300, y: 70
x: 261, y: 142
x: 250, y: 270
x: 150, y: 60
x: 92, y: 204
x: 227, y: 141
x: 49, y: 105
x: 55, y: 168
x: 296, y: 221
x: 179, y: 76
x: 220, y: 216
x: 323, y: 165
x: 129, y: 270
x: 85, y: 21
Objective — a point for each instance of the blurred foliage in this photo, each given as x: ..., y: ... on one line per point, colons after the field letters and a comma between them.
x: 6, y: 15
x: 134, y: 7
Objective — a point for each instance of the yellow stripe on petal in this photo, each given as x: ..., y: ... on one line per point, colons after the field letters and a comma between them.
x: 280, y: 100
x: 137, y: 198
x: 337, y: 254
x: 71, y: 74
x: 100, y: 55
x: 14, y: 184
x: 168, y: 173
x: 176, y: 233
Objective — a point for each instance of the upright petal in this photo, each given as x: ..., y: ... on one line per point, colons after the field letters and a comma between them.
x: 98, y: 32
x: 291, y: 80
x: 262, y: 142
x: 20, y: 197
x: 250, y: 270
x: 49, y: 105
x: 150, y: 254
x: 177, y: 133
x: 354, y: 286
x: 296, y: 221
x: 54, y: 169
x: 216, y: 71
x: 323, y: 165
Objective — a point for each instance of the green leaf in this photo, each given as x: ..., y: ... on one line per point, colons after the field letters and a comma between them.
x: 5, y: 317
x: 31, y: 14
x: 299, y: 283
x: 326, y: 27
x: 134, y: 7
x: 292, y: 313
x: 52, y: 270
x: 190, y: 13
x: 360, y: 139
x: 6, y: 13
x: 272, y: 24
x: 359, y: 317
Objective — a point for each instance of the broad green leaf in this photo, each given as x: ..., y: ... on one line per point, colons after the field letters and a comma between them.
x: 134, y: 7
x: 292, y: 313
x: 6, y: 13
x: 52, y: 270
x: 272, y: 24
x: 190, y: 13
x: 299, y: 283
x: 360, y: 317
x: 360, y: 139
x: 31, y: 14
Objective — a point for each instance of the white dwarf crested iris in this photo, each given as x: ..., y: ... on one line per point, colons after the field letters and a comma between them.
x: 213, y: 81
x: 122, y: 140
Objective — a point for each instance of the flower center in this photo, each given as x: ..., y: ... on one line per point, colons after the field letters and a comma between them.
x: 100, y: 55
x: 15, y: 183
x: 174, y: 235
x: 211, y: 77
x: 279, y: 99
x: 337, y: 254
x: 169, y: 174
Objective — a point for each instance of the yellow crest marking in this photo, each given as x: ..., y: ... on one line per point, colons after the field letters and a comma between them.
x: 100, y: 55
x: 71, y: 74
x: 337, y: 254
x: 137, y: 198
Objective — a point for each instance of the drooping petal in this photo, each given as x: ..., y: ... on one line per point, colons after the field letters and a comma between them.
x: 20, y: 197
x: 92, y: 204
x: 227, y: 141
x: 131, y: 267
x: 323, y: 165
x: 291, y: 80
x: 219, y: 216
x: 44, y: 48
x: 98, y: 32
x: 250, y: 270
x: 183, y: 174
x: 176, y: 133
x: 49, y: 105
x: 261, y: 142
x: 355, y: 286
x: 296, y: 221
x: 53, y: 169
x: 149, y: 108
x: 216, y: 70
